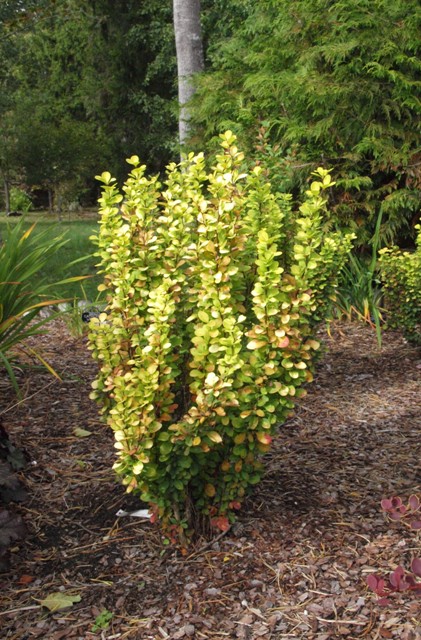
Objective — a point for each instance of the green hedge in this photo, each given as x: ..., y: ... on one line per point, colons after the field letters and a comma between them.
x: 401, y: 277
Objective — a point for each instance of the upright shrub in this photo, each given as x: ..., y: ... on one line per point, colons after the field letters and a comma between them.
x: 401, y: 276
x: 214, y: 287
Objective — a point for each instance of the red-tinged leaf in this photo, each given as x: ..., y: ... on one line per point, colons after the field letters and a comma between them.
x: 220, y: 523
x: 381, y: 587
x: 263, y: 438
x: 396, y: 502
x: 372, y: 582
x: 396, y: 576
x: 404, y: 585
x: 402, y: 508
x: 386, y: 504
x: 235, y: 505
x: 416, y: 524
x: 410, y: 580
x: 384, y: 602
x: 26, y: 579
x: 395, y: 515
x: 414, y: 502
x: 416, y: 566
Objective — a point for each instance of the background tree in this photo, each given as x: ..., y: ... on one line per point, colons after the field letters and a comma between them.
x: 96, y: 80
x: 335, y: 83
x: 130, y: 84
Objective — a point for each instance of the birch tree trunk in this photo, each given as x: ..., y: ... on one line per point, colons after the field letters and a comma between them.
x: 189, y: 48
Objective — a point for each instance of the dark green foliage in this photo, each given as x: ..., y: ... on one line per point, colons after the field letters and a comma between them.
x: 338, y: 83
x: 131, y: 84
x: 81, y: 81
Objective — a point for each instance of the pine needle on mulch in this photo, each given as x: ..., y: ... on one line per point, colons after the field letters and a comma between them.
x: 295, y: 564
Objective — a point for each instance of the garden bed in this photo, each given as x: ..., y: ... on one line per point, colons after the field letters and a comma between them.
x: 295, y: 564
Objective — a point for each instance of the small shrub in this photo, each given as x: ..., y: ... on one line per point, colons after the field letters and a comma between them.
x: 406, y: 513
x: 214, y: 287
x: 19, y: 200
x: 399, y: 580
x: 401, y: 276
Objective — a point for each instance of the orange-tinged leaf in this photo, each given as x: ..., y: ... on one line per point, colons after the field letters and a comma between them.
x: 263, y: 438
x: 238, y: 466
x: 239, y: 438
x: 256, y: 344
x: 25, y: 579
x: 225, y: 466
x: 210, y: 490
x: 263, y: 448
x: 221, y: 523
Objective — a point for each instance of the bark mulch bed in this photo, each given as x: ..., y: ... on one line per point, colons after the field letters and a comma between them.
x: 295, y: 564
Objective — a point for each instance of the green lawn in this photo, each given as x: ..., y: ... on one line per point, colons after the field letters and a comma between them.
x: 77, y: 231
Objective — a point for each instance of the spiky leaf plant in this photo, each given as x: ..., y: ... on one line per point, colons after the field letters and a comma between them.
x: 23, y: 254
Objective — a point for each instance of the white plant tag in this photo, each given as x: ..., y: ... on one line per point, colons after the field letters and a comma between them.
x: 140, y: 513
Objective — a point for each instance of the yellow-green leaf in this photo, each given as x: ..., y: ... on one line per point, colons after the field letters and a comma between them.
x: 81, y: 433
x: 214, y: 436
x: 59, y: 600
x: 256, y: 344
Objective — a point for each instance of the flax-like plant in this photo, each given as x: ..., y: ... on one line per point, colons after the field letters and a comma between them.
x: 23, y: 254
x: 359, y: 294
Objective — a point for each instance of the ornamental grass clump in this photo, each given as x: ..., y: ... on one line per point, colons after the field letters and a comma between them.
x: 214, y: 287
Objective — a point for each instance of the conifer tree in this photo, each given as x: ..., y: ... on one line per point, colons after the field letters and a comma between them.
x: 337, y: 83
